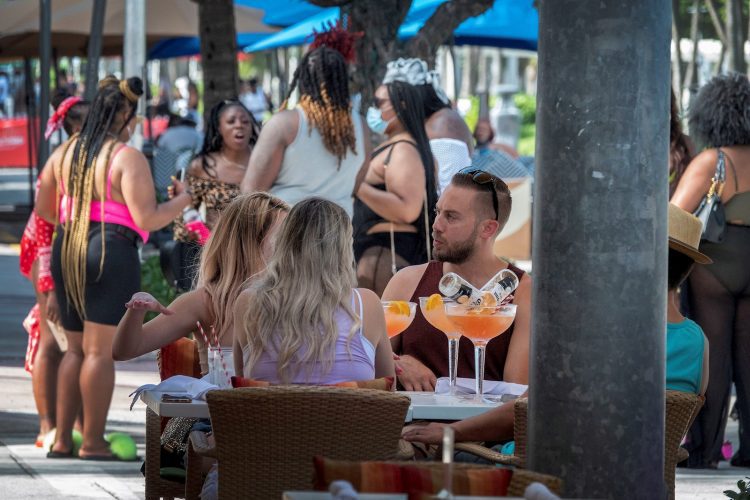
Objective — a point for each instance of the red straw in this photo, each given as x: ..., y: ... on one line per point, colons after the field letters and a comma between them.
x: 221, y: 356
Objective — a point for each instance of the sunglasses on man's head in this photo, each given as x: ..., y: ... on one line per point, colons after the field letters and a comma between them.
x: 484, y: 179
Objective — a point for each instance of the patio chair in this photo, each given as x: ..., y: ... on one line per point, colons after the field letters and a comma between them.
x: 681, y: 410
x: 177, y: 358
x: 266, y: 437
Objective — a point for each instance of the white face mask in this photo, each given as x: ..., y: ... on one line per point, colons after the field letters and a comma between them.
x: 375, y: 120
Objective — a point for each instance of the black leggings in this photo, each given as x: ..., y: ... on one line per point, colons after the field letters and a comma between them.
x: 105, y: 295
x: 719, y: 300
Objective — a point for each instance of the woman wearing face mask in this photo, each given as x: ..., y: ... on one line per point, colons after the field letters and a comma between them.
x: 107, y: 206
x: 214, y: 178
x: 394, y: 207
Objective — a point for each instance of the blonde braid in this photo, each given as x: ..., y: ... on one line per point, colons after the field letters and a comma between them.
x: 75, y: 239
x: 103, y: 198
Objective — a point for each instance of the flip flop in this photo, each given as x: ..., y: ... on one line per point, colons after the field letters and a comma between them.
x: 103, y: 458
x: 60, y: 454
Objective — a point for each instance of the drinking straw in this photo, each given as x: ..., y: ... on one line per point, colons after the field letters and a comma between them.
x: 221, y: 356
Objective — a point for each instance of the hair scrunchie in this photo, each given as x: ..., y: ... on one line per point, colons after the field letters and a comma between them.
x: 58, y: 117
x: 414, y: 72
x: 129, y: 94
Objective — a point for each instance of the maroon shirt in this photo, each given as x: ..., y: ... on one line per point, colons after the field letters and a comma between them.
x: 430, y: 346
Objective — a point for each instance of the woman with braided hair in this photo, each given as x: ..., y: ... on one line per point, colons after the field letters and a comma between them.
x: 318, y: 148
x: 214, y: 178
x: 104, y: 196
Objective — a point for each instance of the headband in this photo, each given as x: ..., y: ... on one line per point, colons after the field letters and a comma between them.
x: 58, y: 117
x: 129, y: 94
x: 414, y: 72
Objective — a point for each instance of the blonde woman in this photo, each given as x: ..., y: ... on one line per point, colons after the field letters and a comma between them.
x: 107, y: 206
x: 240, y: 245
x: 302, y: 321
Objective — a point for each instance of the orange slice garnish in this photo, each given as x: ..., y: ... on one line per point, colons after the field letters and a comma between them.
x: 488, y: 300
x: 399, y: 307
x: 434, y: 302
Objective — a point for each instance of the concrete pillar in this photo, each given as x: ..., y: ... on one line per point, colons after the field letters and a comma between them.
x: 45, y: 57
x: 596, y: 404
x: 134, y: 54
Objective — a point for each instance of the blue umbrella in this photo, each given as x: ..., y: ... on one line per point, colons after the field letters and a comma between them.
x: 291, y: 13
x: 298, y: 34
x: 191, y: 45
x: 509, y: 23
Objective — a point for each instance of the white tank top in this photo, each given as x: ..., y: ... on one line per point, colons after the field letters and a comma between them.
x: 309, y: 169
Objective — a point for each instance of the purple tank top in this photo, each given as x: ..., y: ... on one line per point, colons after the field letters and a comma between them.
x: 352, y: 364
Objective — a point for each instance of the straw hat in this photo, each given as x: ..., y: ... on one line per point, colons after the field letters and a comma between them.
x: 685, y: 234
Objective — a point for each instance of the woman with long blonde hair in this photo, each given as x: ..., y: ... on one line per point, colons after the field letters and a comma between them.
x: 237, y: 250
x: 104, y: 195
x: 303, y: 320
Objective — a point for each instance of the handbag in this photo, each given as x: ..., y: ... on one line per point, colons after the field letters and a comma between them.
x: 711, y: 211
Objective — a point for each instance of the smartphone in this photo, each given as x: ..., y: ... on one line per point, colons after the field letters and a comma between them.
x: 173, y: 398
x: 181, y: 175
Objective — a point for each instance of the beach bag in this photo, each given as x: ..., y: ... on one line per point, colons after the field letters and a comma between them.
x: 711, y: 210
x: 31, y: 325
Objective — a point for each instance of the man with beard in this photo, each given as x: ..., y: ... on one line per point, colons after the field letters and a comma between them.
x: 470, y: 213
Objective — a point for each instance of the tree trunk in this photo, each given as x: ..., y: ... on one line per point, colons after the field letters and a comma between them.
x: 447, y: 17
x: 716, y: 21
x: 379, y: 21
x: 691, y: 75
x: 735, y: 37
x: 218, y: 51
x: 677, y: 62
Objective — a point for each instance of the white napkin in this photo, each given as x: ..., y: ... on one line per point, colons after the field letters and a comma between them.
x: 466, y: 386
x: 196, y: 388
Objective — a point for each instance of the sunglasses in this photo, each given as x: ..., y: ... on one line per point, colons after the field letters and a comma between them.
x: 484, y: 179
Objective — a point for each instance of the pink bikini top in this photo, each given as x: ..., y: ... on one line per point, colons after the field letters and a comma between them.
x: 114, y: 212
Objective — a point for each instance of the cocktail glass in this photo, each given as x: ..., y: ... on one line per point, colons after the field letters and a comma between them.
x: 435, y: 315
x: 480, y: 324
x: 398, y: 315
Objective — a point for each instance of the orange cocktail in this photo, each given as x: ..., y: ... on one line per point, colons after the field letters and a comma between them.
x: 481, y: 328
x: 398, y: 316
x: 433, y: 309
x: 480, y: 324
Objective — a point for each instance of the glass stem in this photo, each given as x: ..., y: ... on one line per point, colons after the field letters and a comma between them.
x: 452, y: 363
x: 479, y: 368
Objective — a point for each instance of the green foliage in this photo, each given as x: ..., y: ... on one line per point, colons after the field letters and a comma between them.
x: 526, y: 104
x: 742, y: 494
x: 153, y: 282
x: 527, y: 140
x: 472, y: 116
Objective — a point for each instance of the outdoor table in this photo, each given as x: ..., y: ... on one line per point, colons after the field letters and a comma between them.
x: 424, y: 406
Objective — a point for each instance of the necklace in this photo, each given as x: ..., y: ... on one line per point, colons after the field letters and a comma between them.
x: 238, y: 165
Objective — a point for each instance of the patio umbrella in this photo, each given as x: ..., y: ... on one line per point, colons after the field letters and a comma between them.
x: 509, y: 23
x: 512, y: 24
x: 292, y: 12
x: 191, y: 45
x: 71, y: 23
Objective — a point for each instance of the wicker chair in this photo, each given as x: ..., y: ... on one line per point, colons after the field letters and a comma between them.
x: 266, y: 437
x: 681, y: 410
x: 178, y: 358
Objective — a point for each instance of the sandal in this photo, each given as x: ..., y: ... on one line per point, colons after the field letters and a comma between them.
x: 60, y: 454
